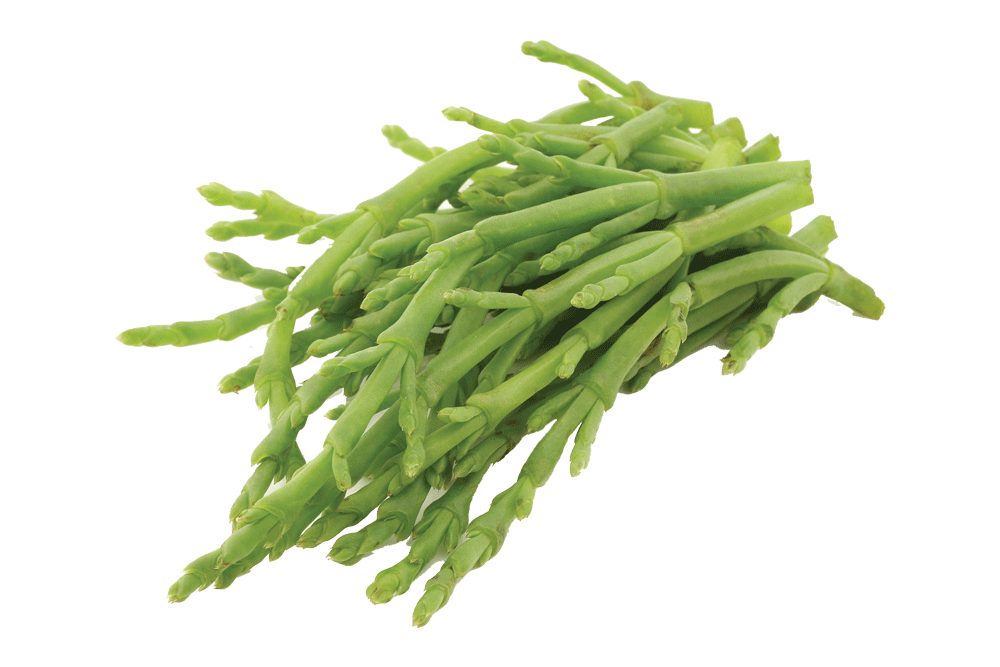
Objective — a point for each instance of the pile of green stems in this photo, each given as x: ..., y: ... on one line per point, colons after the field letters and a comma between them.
x: 516, y: 283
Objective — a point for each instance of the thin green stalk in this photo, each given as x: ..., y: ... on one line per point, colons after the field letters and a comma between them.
x: 689, y: 237
x: 406, y: 337
x: 399, y: 139
x: 759, y: 331
x: 276, y: 217
x: 233, y: 267
x: 227, y: 326
x: 395, y: 520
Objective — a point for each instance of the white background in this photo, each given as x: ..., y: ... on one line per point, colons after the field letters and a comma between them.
x: 835, y: 504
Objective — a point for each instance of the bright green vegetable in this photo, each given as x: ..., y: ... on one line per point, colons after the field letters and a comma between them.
x: 473, y: 303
